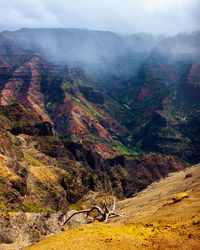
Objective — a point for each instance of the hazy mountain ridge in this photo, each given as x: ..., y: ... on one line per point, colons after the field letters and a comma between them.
x: 70, y: 138
x: 101, y: 54
x: 158, y: 104
x: 61, y: 95
x: 164, y: 98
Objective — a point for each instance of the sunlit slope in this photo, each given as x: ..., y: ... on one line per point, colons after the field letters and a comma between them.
x: 152, y: 220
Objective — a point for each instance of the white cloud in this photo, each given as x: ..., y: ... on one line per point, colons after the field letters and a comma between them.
x: 170, y: 16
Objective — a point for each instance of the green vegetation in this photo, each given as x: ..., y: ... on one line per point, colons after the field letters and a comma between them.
x: 66, y: 85
x: 2, y: 206
x: 114, y: 146
x: 75, y: 206
x: 7, y: 207
x: 6, y: 118
x: 89, y: 108
x: 46, y: 141
x: 87, y: 142
x: 32, y: 161
x: 34, y: 208
x: 151, y: 101
x: 17, y: 125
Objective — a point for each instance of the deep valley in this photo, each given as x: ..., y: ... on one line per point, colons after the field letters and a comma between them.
x: 87, y: 114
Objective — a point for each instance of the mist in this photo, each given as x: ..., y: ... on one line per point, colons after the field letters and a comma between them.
x: 97, y: 53
x: 128, y: 16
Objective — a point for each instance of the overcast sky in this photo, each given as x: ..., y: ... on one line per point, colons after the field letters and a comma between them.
x: 125, y: 16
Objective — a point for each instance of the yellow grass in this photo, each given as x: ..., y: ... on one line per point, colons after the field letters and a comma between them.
x: 180, y: 196
x: 5, y: 173
x: 43, y: 173
x: 31, y: 160
x: 150, y: 221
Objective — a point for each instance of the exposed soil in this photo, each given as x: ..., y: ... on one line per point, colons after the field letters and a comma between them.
x: 152, y: 220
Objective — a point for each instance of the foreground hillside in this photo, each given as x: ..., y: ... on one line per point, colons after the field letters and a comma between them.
x: 39, y: 170
x: 152, y: 220
x: 41, y: 176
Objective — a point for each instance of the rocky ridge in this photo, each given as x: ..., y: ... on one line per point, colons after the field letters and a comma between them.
x: 43, y: 174
x: 62, y: 96
x: 62, y: 138
x: 156, y: 110
x: 164, y: 98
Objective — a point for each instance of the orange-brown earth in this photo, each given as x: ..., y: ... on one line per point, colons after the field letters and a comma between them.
x: 27, y: 140
x: 87, y: 122
x: 53, y: 92
x: 152, y: 220
x: 40, y: 173
x: 23, y: 87
x: 151, y: 112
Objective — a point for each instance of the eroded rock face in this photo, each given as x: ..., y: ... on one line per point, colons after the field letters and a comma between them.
x: 25, y: 121
x: 22, y: 229
x: 164, y: 96
x: 41, y: 175
x: 120, y: 176
x: 50, y: 173
x: 29, y: 179
x: 59, y: 95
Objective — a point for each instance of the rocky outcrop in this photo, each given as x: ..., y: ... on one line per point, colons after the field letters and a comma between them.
x: 25, y: 121
x: 41, y: 175
x: 22, y: 229
x: 23, y: 168
x: 31, y: 164
x: 120, y: 176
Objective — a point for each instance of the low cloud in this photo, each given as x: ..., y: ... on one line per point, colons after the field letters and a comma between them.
x: 128, y: 16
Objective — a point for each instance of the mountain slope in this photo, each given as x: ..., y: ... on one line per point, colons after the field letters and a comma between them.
x: 103, y: 56
x: 41, y: 175
x: 152, y: 220
x: 62, y: 96
x: 164, y: 98
x: 70, y: 139
x: 157, y: 110
x: 29, y: 150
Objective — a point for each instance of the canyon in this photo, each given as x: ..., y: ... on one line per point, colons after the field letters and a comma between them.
x: 90, y: 113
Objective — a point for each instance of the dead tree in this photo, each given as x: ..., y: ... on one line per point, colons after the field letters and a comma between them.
x: 102, y: 214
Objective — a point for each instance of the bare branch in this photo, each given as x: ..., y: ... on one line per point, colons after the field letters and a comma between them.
x: 105, y: 213
x: 117, y: 215
x: 114, y: 206
x: 105, y: 207
x: 86, y: 211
